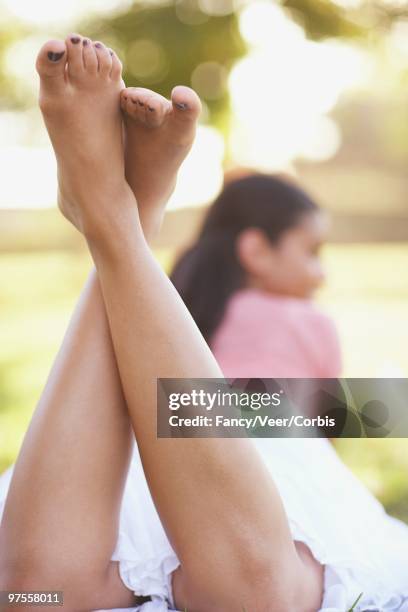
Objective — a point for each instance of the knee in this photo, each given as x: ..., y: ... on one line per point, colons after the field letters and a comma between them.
x: 32, y: 574
x: 253, y: 583
x: 291, y: 586
x: 270, y: 586
x: 254, y: 586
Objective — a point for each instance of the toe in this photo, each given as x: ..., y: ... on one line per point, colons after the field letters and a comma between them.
x: 51, y: 60
x: 128, y: 103
x: 186, y: 103
x: 90, y: 58
x: 116, y: 71
x: 155, y: 110
x: 145, y: 105
x: 104, y: 58
x: 134, y: 103
x: 138, y: 106
x: 75, y: 59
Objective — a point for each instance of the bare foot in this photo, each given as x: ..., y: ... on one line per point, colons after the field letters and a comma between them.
x: 80, y: 84
x: 159, y: 134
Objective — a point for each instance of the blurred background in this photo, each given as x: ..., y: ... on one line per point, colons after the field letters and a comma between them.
x: 314, y: 88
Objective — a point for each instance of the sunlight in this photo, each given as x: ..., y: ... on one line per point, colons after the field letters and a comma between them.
x: 283, y: 89
x: 201, y: 175
x: 29, y: 174
x: 28, y: 177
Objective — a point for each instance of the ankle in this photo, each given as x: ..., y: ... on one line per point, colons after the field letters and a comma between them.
x: 112, y: 239
x: 151, y: 222
x: 110, y: 215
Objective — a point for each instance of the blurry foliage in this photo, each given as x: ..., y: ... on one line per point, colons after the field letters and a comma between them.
x: 323, y: 19
x: 162, y: 46
x: 176, y: 42
x: 196, y: 42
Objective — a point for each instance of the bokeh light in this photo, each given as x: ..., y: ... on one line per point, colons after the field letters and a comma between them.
x: 189, y: 13
x: 217, y: 7
x: 209, y: 79
x: 146, y: 60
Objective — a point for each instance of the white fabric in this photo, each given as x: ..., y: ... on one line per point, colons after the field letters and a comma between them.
x: 363, y: 549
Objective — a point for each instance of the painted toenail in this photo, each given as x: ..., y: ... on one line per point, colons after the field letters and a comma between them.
x: 75, y: 40
x: 111, y: 52
x: 55, y: 57
x: 151, y: 109
x: 98, y: 45
x: 140, y: 103
x: 85, y: 42
x: 134, y: 101
x: 181, y: 105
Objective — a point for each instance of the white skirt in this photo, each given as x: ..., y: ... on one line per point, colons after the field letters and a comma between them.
x: 364, y: 551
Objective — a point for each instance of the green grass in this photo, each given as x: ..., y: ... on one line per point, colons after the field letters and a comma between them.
x: 353, y: 607
x: 367, y: 294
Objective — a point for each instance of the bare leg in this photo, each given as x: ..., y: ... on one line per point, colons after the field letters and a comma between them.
x: 60, y: 522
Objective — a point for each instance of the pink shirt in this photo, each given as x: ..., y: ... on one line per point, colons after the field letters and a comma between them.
x: 268, y: 336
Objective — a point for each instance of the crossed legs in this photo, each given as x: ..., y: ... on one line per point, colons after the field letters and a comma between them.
x: 217, y: 502
x: 60, y: 522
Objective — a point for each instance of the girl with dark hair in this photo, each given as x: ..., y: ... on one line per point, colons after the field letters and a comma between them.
x: 248, y: 280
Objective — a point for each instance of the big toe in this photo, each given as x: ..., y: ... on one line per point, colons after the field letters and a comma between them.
x: 51, y: 60
x: 186, y: 103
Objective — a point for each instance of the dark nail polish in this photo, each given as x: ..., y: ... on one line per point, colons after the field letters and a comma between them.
x: 98, y: 45
x: 140, y: 103
x: 181, y: 105
x: 85, y: 42
x: 151, y: 109
x: 134, y: 101
x: 111, y: 52
x: 55, y: 57
x: 75, y: 40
